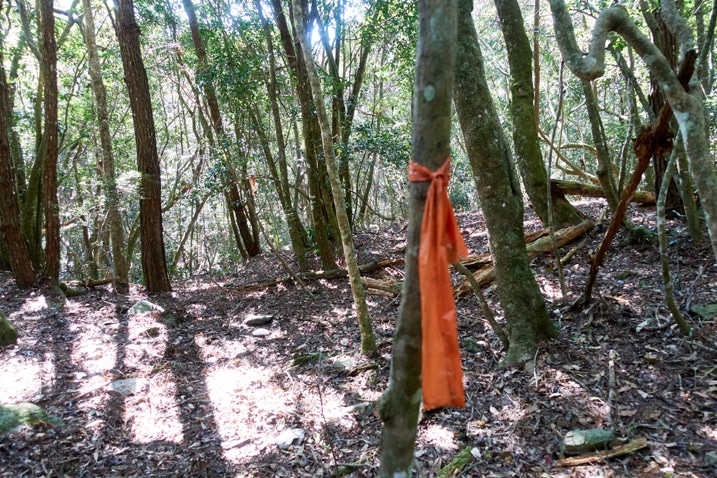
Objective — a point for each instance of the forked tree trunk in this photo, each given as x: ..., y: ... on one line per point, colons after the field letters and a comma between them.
x: 242, y: 215
x: 311, y: 139
x: 297, y: 233
x: 154, y: 265
x: 500, y: 197
x: 432, y: 96
x: 368, y: 341
x: 120, y: 279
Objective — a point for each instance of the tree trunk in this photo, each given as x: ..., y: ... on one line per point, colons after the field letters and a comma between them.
x: 10, y: 231
x: 500, y: 197
x: 602, y: 154
x: 368, y: 342
x: 237, y: 205
x: 311, y: 139
x: 50, y: 143
x: 522, y: 111
x: 667, y: 43
x: 297, y: 233
x: 154, y: 266
x: 433, y: 90
x: 107, y: 164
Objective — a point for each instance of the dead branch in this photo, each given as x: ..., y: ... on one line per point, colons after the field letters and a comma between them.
x: 631, y: 446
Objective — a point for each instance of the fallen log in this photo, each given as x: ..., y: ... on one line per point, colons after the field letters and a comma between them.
x: 486, y: 274
x: 387, y: 286
x: 477, y: 261
x: 575, y: 188
x: 599, y: 456
x: 539, y: 244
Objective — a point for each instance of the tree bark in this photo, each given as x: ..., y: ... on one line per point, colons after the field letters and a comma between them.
x: 238, y: 205
x: 433, y: 90
x: 667, y: 43
x: 154, y: 265
x: 120, y: 280
x: 50, y: 143
x: 500, y: 197
x: 574, y: 188
x: 10, y: 231
x: 368, y: 341
x: 297, y: 233
x: 602, y: 153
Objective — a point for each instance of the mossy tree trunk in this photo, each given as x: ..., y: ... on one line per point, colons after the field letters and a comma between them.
x: 522, y: 111
x: 687, y: 105
x: 500, y: 197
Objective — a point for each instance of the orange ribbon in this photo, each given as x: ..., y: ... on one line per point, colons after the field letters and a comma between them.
x: 441, y: 244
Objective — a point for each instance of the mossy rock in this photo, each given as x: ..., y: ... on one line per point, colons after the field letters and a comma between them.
x: 12, y: 416
x: 457, y: 464
x: 642, y: 235
x: 706, y: 311
x: 8, y: 336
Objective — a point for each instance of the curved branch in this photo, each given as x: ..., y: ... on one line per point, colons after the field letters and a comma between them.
x: 614, y: 19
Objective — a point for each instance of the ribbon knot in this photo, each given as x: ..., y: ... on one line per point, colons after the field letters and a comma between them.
x: 441, y: 244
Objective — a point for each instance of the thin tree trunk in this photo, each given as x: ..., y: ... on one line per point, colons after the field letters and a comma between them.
x: 107, y: 164
x: 688, y: 106
x: 368, y: 341
x: 296, y: 228
x: 237, y: 206
x: 602, y: 154
x: 311, y: 139
x: 432, y: 96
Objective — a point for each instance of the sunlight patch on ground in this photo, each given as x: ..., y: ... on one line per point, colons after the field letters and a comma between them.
x: 249, y: 407
x: 328, y: 284
x: 550, y: 290
x: 35, y: 304
x: 332, y: 405
x: 49, y: 371
x: 709, y: 432
x: 155, y: 413
x: 152, y: 412
x: 21, y: 380
x: 94, y: 356
x: 341, y: 312
x: 439, y: 436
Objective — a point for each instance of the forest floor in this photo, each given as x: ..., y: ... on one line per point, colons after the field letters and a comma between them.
x: 191, y: 390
